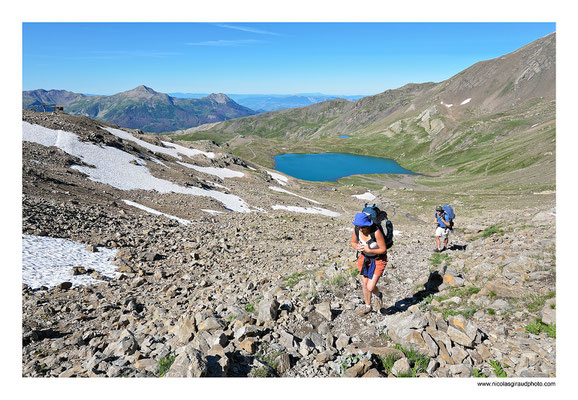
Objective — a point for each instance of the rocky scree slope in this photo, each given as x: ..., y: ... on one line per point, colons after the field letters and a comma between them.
x: 274, y: 293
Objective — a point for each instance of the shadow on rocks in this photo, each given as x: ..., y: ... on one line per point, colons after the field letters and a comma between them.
x: 430, y: 287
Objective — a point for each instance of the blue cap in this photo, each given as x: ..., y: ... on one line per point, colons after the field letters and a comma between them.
x: 362, y: 219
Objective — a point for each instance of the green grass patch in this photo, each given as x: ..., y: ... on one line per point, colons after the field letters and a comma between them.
x: 467, y: 313
x: 294, y: 279
x: 534, y: 302
x: 492, y: 230
x: 250, y: 307
x: 437, y: 258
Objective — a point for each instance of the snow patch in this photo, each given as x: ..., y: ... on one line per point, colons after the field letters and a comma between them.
x: 171, y: 149
x: 155, y: 212
x: 365, y: 196
x: 278, y: 189
x: 466, y: 101
x: 220, y: 172
x: 281, y: 179
x: 447, y: 105
x: 113, y: 166
x: 212, y: 211
x: 307, y: 210
x: 49, y: 261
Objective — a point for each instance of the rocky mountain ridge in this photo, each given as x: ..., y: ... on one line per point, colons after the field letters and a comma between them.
x: 272, y: 291
x: 143, y: 108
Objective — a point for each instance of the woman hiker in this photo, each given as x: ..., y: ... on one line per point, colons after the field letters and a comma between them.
x: 368, y: 240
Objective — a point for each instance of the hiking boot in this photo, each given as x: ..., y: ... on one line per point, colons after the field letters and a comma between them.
x: 364, y: 310
x: 379, y: 302
x: 436, y: 250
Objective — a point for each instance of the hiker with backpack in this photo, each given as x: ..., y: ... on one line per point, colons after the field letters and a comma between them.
x: 370, y: 242
x: 444, y: 224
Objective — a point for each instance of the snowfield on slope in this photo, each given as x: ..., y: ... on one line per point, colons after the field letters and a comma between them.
x: 113, y: 166
x: 49, y: 261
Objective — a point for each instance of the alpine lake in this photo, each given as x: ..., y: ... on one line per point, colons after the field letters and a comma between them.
x: 332, y: 166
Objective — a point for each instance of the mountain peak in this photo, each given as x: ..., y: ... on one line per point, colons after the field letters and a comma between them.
x: 143, y: 89
x: 220, y: 98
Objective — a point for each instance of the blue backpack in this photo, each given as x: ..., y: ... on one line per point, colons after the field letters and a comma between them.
x: 451, y: 215
x: 377, y: 216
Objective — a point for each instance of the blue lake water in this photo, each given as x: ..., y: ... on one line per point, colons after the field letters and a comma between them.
x: 332, y: 166
x: 344, y: 136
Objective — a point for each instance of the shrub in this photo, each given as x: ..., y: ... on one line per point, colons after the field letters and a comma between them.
x: 338, y: 280
x: 388, y: 361
x: 539, y: 326
x: 418, y: 361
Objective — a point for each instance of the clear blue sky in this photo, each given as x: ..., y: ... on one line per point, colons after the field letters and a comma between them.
x: 280, y: 58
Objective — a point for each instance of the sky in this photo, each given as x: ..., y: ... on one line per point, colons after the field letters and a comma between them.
x: 346, y: 58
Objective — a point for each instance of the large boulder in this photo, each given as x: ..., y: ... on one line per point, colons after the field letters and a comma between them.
x: 189, y: 363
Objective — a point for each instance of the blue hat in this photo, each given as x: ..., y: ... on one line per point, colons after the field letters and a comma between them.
x: 362, y: 219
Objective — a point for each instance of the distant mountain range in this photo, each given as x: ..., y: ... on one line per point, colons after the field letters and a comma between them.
x: 142, y: 108
x: 275, y: 102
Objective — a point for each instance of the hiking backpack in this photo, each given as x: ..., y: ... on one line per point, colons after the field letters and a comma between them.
x: 450, y: 213
x: 377, y: 216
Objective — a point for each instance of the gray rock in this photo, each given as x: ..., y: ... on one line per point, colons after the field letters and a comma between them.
x: 431, y: 346
x: 460, y: 370
x: 432, y: 366
x: 548, y: 312
x: 325, y: 310
x: 459, y: 337
x: 189, y: 363
x: 342, y: 341
x: 267, y: 309
x: 286, y: 339
x: 210, y: 324
x: 401, y: 366
x: 185, y: 328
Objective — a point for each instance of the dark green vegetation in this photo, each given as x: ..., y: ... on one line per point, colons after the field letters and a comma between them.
x: 539, y: 326
x: 165, y: 364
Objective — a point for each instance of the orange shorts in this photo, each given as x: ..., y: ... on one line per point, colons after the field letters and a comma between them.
x: 379, y: 264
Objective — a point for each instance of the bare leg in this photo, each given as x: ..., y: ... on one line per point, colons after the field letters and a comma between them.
x: 366, y: 292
